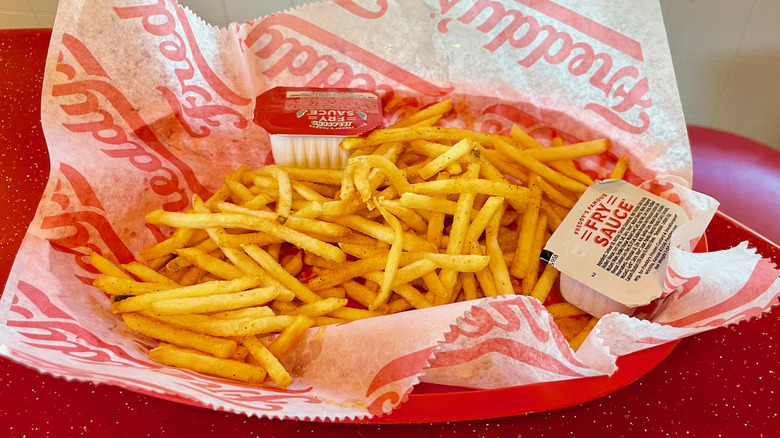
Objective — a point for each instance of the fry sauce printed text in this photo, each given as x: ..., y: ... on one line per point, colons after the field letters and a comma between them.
x: 602, y: 219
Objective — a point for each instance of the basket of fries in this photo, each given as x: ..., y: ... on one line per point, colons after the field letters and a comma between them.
x: 311, y: 292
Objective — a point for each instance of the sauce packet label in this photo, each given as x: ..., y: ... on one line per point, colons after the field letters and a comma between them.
x: 318, y: 111
x: 616, y: 240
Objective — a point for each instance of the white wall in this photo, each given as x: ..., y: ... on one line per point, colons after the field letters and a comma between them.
x: 726, y: 53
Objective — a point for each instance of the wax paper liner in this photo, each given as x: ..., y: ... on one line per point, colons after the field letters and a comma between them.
x: 145, y: 105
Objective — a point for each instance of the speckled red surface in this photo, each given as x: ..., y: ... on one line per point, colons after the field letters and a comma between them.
x: 721, y: 383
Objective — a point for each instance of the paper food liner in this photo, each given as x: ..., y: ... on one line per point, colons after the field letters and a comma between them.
x: 145, y: 105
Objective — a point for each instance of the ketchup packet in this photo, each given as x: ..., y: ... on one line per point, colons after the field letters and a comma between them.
x: 306, y: 124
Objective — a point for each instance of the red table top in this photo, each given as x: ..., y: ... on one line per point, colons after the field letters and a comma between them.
x: 720, y: 383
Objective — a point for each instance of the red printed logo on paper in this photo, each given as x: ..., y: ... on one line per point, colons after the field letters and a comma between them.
x: 565, y: 37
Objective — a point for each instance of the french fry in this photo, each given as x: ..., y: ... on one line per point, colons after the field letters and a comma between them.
x: 147, y: 274
x: 532, y: 274
x: 219, y: 268
x: 352, y: 314
x: 229, y: 369
x: 319, y: 308
x: 481, y: 220
x: 434, y: 111
x: 496, y: 263
x: 359, y: 293
x: 284, y: 201
x: 153, y: 328
x: 576, y: 150
x: 564, y: 310
x: 527, y: 226
x: 106, y: 267
x: 290, y: 336
x: 576, y: 343
x: 450, y: 156
x: 383, y: 233
x: 215, y: 303
x: 457, y: 235
x: 348, y: 271
x: 620, y: 168
x: 407, y: 215
x: 270, y: 264
x: 142, y: 302
x: 124, y: 286
x: 481, y: 186
x: 302, y: 224
x: 247, y: 312
x: 232, y: 220
x: 545, y: 283
x: 393, y: 258
x: 222, y: 327
x: 275, y: 370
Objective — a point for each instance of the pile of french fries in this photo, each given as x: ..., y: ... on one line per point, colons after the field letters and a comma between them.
x: 422, y: 215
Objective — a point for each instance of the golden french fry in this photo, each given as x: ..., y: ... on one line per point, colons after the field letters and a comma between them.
x: 527, y: 226
x: 497, y: 265
x: 161, y: 331
x: 270, y: 264
x: 620, y: 168
x: 293, y: 264
x: 381, y: 232
x: 141, y: 302
x: 284, y: 201
x: 475, y: 186
x: 565, y: 167
x: 434, y: 111
x: 536, y: 166
x: 238, y: 191
x: 180, y: 238
x: 450, y: 156
x: 434, y: 133
x: 580, y: 338
x: 248, y: 312
x: 290, y: 336
x: 302, y: 224
x: 457, y: 236
x: 219, y: 268
x: 348, y: 271
x: 564, y: 310
x: 179, y: 263
x: 233, y: 220
x: 215, y: 303
x: 393, y: 258
x: 469, y: 282
x: 319, y: 308
x: 106, y: 267
x: 576, y: 150
x: 275, y: 370
x: 406, y: 215
x: 532, y: 274
x: 352, y: 314
x: 124, y: 286
x: 147, y: 274
x: 545, y: 283
x: 230, y: 369
x: 487, y: 283
x: 223, y: 327
x: 481, y: 220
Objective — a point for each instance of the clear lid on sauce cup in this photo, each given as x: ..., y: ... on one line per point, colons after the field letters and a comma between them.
x: 306, y: 124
